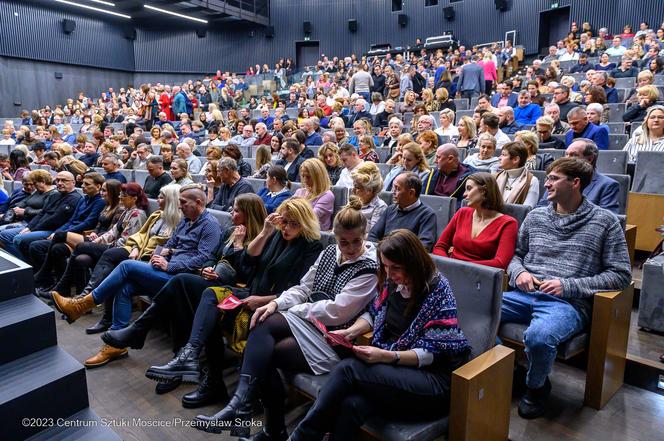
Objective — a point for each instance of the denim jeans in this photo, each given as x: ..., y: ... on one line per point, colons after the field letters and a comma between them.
x: 128, y: 279
x: 19, y: 244
x: 551, y: 321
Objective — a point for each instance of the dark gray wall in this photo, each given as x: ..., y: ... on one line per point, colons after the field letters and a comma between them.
x: 33, y: 83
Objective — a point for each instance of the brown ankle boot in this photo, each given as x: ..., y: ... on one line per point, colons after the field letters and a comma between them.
x: 73, y: 308
x: 106, y: 354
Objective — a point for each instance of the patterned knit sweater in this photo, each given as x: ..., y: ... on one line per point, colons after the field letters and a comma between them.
x: 434, y: 329
x: 585, y: 250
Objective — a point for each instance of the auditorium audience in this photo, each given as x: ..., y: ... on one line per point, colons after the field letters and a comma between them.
x: 582, y: 128
x: 316, y: 188
x: 189, y: 247
x: 276, y: 259
x: 407, y: 211
x: 334, y: 291
x: 565, y: 253
x: 407, y: 367
x: 49, y: 257
x: 480, y: 232
x: 410, y: 158
x: 515, y: 181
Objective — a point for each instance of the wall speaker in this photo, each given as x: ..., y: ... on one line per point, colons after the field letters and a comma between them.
x: 129, y: 33
x: 201, y: 33
x: 501, y: 5
x: 306, y: 27
x: 448, y: 13
x: 58, y: 75
x: 403, y: 20
x: 352, y: 25
x: 269, y: 32
x: 68, y: 26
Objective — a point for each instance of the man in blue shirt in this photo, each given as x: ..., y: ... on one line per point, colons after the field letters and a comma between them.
x: 85, y: 218
x: 526, y: 112
x: 191, y: 244
x: 599, y: 79
x: 111, y: 164
x: 577, y: 118
x: 313, y: 138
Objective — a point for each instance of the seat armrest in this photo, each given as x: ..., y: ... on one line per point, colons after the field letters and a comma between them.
x: 630, y: 237
x: 481, y: 397
x: 364, y: 339
x: 607, y: 353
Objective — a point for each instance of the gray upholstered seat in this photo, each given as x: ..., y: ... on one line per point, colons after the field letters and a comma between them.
x: 225, y: 219
x: 555, y: 153
x: 443, y: 206
x: 327, y: 238
x: 153, y: 205
x: 617, y: 142
x: 518, y: 212
x: 384, y: 169
x: 128, y: 174
x: 648, y: 177
x: 566, y: 350
x: 612, y: 161
x: 340, y: 198
x: 256, y: 184
x: 140, y: 176
x: 541, y: 177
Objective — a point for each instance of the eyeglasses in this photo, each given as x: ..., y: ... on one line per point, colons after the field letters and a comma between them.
x: 63, y: 180
x: 553, y: 178
x: 290, y: 224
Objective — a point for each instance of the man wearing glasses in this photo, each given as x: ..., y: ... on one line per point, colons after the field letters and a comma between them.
x: 58, y: 208
x: 565, y: 253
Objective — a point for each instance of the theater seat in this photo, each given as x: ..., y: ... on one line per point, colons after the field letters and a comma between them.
x: 567, y: 350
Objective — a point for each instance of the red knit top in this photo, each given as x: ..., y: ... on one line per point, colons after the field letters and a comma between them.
x: 494, y: 246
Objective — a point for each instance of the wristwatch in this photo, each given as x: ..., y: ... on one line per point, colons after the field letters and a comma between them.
x: 397, y: 358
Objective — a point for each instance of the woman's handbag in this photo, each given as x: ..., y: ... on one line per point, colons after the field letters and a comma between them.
x: 238, y: 334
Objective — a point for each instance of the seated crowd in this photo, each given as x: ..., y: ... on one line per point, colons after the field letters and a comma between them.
x: 266, y: 285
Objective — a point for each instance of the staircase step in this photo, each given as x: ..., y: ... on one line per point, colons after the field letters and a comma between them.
x: 46, y: 384
x: 16, y: 278
x: 84, y: 425
x: 28, y: 324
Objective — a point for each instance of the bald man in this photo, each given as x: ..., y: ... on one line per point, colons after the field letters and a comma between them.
x: 190, y: 246
x: 59, y: 206
x: 449, y: 176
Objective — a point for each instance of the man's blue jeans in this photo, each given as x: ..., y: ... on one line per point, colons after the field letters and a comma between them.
x: 129, y: 278
x: 17, y: 244
x: 551, y: 321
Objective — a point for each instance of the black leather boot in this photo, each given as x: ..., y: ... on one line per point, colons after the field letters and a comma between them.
x: 106, y: 320
x: 236, y: 416
x: 134, y: 335
x: 166, y: 386
x: 184, y: 366
x: 211, y: 389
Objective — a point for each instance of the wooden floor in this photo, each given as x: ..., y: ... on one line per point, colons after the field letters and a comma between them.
x: 121, y: 390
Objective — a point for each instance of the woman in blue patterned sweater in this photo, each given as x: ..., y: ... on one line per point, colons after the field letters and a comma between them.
x: 415, y: 347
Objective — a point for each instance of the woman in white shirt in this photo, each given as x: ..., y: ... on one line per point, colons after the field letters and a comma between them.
x: 447, y: 127
x: 649, y: 136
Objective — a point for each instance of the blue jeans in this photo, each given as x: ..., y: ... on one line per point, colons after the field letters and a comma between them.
x: 129, y: 278
x: 551, y: 321
x: 19, y: 244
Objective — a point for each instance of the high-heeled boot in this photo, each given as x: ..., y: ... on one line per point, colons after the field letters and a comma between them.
x: 106, y: 319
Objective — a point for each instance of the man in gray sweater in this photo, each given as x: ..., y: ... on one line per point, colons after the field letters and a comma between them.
x: 361, y: 82
x: 565, y: 253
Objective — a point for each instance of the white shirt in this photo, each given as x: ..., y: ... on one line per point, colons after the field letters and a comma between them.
x: 450, y: 131
x: 501, y: 139
x: 345, y: 179
x: 574, y: 56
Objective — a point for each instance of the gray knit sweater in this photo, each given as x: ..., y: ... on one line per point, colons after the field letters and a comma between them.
x: 585, y: 250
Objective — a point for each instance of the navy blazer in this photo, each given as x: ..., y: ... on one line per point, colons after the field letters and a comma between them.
x: 603, y: 192
x: 512, y: 100
x: 599, y: 134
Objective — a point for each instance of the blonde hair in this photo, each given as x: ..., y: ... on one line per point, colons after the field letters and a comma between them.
x: 320, y: 180
x: 416, y: 150
x: 405, y: 138
x: 40, y: 176
x: 329, y: 147
x: 529, y: 139
x: 254, y: 210
x: 299, y: 209
x: 350, y: 217
x: 263, y: 156
x: 468, y: 122
x: 650, y: 91
x: 171, y: 213
x: 367, y: 175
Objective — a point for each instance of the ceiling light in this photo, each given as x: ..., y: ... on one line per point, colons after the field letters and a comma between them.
x: 103, y: 2
x: 175, y: 14
x: 93, y: 8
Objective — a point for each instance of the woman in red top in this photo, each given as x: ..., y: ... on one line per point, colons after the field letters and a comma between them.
x: 480, y: 233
